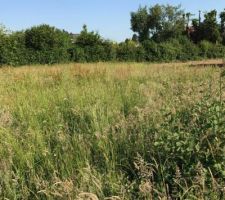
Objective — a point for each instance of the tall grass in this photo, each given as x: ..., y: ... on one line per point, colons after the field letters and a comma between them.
x: 112, y: 131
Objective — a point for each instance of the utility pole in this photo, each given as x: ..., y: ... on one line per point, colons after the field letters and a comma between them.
x: 199, y: 19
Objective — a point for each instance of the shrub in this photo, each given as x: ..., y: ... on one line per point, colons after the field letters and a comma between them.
x: 151, y: 50
x: 13, y: 50
x: 109, y: 50
x: 130, y: 51
x: 210, y: 50
x: 189, y: 51
x: 90, y: 47
x: 77, y: 54
x: 169, y: 51
x: 48, y: 44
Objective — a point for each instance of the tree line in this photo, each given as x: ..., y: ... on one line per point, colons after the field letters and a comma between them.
x: 161, y: 33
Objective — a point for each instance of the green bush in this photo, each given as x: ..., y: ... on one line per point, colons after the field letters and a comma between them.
x: 109, y: 51
x: 210, y: 50
x: 130, y: 51
x: 90, y: 47
x: 169, y: 51
x: 3, y: 44
x: 13, y: 50
x: 188, y: 51
x: 152, y: 52
x: 48, y: 44
x: 77, y: 54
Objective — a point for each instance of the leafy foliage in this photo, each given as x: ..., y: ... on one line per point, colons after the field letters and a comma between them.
x: 90, y: 47
x: 161, y: 22
x: 163, y: 33
x: 47, y: 44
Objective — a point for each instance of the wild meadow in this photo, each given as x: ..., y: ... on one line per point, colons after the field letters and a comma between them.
x: 112, y: 131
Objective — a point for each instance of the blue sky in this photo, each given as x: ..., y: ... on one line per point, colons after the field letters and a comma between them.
x: 111, y: 18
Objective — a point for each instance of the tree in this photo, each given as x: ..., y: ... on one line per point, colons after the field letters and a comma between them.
x: 172, y: 23
x: 196, y: 34
x: 210, y: 27
x: 140, y: 23
x: 187, y: 17
x: 159, y: 22
x: 135, y: 38
x: 222, y: 25
x: 222, y: 17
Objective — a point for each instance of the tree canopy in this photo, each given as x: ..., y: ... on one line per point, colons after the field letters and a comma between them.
x: 160, y: 22
x: 161, y: 33
x: 164, y: 22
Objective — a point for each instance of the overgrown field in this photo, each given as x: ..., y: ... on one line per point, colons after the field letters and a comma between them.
x: 112, y: 131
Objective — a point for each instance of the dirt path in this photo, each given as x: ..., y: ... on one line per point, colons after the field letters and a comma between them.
x: 201, y: 63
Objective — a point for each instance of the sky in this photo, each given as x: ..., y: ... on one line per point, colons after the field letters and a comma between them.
x: 111, y: 18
